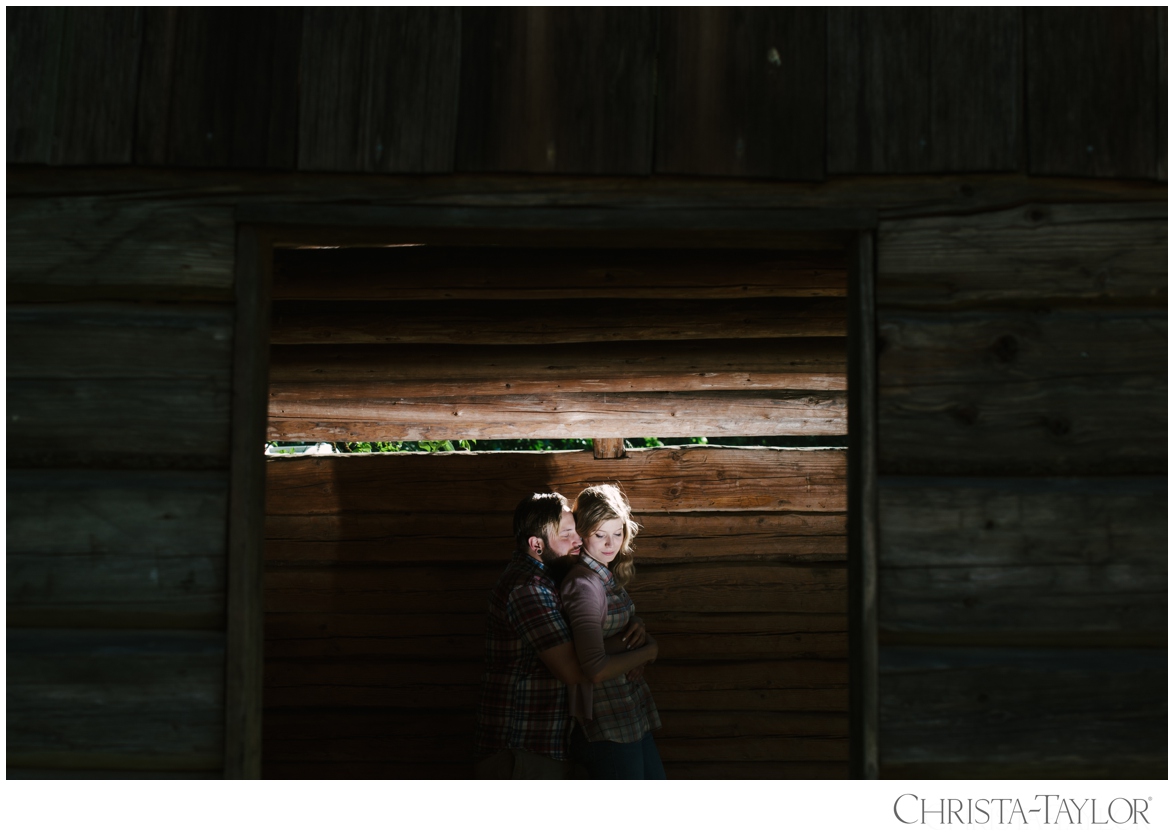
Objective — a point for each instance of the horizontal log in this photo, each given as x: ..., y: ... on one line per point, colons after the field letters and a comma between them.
x: 115, y: 700
x: 376, y: 769
x: 89, y: 247
x: 461, y: 637
x: 1023, y: 709
x: 120, y: 423
x: 428, y: 536
x: 685, y: 724
x: 767, y: 748
x: 526, y: 321
x: 96, y: 341
x: 740, y: 770
x: 1107, y: 424
x: 12, y: 773
x: 1072, y: 559
x: 1052, y: 770
x: 443, y: 273
x: 462, y: 589
x: 301, y: 376
x: 1030, y: 254
x: 894, y: 196
x: 570, y: 415
x: 989, y: 348
x: 667, y: 479
x: 116, y: 548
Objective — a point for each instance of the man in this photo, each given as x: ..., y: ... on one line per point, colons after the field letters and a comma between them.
x: 523, y: 720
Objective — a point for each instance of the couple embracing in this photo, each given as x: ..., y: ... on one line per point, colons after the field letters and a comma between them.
x: 563, y: 696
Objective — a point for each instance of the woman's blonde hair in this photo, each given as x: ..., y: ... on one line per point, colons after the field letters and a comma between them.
x: 597, y: 504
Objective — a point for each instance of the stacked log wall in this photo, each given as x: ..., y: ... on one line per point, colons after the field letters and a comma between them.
x: 131, y: 159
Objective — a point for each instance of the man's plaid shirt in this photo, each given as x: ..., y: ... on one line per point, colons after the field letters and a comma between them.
x: 522, y: 705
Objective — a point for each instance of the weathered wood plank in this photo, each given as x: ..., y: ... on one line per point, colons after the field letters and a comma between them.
x: 562, y: 416
x: 375, y: 769
x: 118, y: 423
x: 98, y: 341
x: 98, y: 86
x: 198, y: 113
x: 1053, y: 254
x: 1028, y: 710
x: 454, y: 589
x: 505, y: 322
x: 741, y: 770
x: 378, y: 89
x: 1091, y: 84
x: 878, y: 90
x: 461, y: 637
x: 116, y: 548
x: 134, y: 248
x: 33, y: 43
x: 753, y: 748
x: 975, y: 89
x: 111, y: 700
x: 1094, y: 424
x: 671, y: 479
x: 740, y: 92
x: 557, y: 90
x: 1024, y: 558
x: 395, y: 538
x: 359, y: 374
x: 447, y: 273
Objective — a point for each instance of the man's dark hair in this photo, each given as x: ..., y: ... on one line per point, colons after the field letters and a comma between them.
x: 536, y: 515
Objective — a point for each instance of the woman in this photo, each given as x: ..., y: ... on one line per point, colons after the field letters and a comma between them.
x: 614, y: 716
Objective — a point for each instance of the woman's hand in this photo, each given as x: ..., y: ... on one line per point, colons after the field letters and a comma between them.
x: 634, y: 634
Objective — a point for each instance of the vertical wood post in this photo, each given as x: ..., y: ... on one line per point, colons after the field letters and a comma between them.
x: 246, y: 508
x: 862, y: 509
x: 608, y: 449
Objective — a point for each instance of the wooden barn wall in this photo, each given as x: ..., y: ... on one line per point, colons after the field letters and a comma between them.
x: 377, y: 569
x: 1023, y: 500
x: 131, y: 157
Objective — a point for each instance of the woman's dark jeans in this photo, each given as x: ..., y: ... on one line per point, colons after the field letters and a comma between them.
x: 617, y: 760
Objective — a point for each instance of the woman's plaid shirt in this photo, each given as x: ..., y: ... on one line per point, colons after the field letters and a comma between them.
x: 622, y: 709
x: 522, y: 705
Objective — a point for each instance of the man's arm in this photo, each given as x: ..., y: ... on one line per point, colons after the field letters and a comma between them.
x: 563, y: 664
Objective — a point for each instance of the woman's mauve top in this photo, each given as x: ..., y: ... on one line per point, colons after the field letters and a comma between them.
x: 619, y: 710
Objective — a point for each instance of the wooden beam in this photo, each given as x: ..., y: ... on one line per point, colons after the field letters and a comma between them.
x: 689, y: 479
x: 559, y: 417
x: 863, y: 528
x: 608, y: 449
x: 245, y: 654
x: 358, y: 374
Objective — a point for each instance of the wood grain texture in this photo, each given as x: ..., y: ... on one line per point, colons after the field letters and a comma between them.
x: 119, y: 249
x: 1078, y: 558
x: 976, y: 89
x: 97, y: 87
x: 479, y: 273
x: 33, y: 42
x: 668, y: 479
x: 194, y: 109
x: 879, y: 66
x: 118, y: 423
x: 1029, y: 711
x: 1107, y: 254
x: 90, y: 548
x: 740, y: 92
x: 100, y: 341
x: 1161, y: 126
x: 115, y: 700
x: 1091, y: 82
x: 557, y: 90
x: 358, y: 373
x: 379, y: 89
x: 402, y: 537
x: 1048, y: 392
x: 564, y: 416
x: 506, y: 322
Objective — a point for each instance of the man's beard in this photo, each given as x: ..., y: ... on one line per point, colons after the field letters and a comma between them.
x: 558, y: 566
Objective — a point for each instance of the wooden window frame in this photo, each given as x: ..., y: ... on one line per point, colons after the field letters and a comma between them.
x: 263, y: 227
